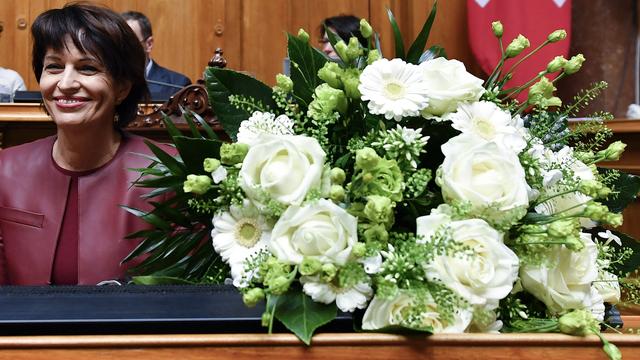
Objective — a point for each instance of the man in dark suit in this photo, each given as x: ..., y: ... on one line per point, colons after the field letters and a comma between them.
x: 162, y: 82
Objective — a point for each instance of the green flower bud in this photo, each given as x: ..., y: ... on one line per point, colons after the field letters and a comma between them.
x: 367, y: 178
x: 557, y: 35
x: 330, y: 73
x: 556, y: 64
x: 197, y: 184
x: 593, y: 188
x: 367, y: 158
x: 574, y: 243
x: 516, y: 46
x: 210, y: 164
x: 310, y: 266
x: 284, y: 83
x: 365, y: 29
x: 497, y: 29
x: 612, y: 351
x: 234, y: 153
x: 359, y: 249
x: 613, y: 151
x: 595, y: 210
x: 342, y: 50
x: 266, y: 319
x: 354, y: 49
x: 376, y: 233
x: 328, y: 272
x: 613, y: 219
x: 279, y: 285
x: 373, y: 56
x: 337, y: 176
x: 327, y: 100
x: 337, y: 193
x: 541, y: 94
x: 577, y: 322
x: 574, y: 64
x: 253, y: 296
x: 561, y: 228
x: 379, y: 209
x: 303, y: 35
x: 351, y: 80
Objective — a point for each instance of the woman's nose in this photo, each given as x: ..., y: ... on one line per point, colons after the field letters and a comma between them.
x: 68, y: 80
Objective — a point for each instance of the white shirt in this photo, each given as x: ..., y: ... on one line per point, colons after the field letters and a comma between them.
x: 10, y: 81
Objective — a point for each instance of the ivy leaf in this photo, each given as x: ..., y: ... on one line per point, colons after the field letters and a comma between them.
x: 222, y: 83
x: 627, y: 186
x: 302, y: 315
x: 305, y: 63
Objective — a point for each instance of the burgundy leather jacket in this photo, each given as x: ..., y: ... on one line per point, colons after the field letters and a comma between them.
x: 33, y: 194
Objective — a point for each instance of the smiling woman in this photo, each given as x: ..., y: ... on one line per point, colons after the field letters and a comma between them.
x: 61, y: 220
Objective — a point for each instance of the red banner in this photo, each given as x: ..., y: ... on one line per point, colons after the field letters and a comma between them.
x: 535, y: 19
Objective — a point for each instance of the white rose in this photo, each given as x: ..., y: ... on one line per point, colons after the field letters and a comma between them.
x: 608, y: 287
x: 284, y: 167
x: 482, y: 278
x: 448, y: 84
x: 347, y: 299
x: 486, y: 120
x: 564, y: 281
x: 320, y: 230
x: 486, y: 174
x: 388, y: 312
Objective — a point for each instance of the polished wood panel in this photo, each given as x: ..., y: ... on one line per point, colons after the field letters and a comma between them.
x: 325, y: 346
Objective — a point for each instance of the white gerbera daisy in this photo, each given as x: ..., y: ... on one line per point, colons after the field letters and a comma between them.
x: 347, y: 299
x: 264, y: 123
x: 487, y: 120
x: 393, y: 88
x: 240, y: 233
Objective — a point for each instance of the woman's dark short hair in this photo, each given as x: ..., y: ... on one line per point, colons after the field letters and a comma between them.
x: 102, y: 33
x: 345, y: 26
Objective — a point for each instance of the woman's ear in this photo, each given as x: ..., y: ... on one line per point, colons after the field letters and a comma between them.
x: 122, y: 91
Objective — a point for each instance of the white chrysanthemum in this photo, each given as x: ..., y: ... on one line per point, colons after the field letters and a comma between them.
x: 347, y: 299
x: 238, y: 235
x: 486, y: 120
x: 393, y: 88
x: 264, y: 123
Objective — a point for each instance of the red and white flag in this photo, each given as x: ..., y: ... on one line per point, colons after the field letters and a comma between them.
x: 535, y: 19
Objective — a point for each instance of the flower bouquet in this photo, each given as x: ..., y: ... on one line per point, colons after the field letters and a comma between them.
x: 407, y: 190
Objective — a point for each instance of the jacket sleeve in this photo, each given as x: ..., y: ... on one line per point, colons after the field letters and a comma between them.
x: 4, y: 278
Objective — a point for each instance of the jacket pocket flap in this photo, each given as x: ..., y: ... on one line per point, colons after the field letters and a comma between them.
x: 21, y: 216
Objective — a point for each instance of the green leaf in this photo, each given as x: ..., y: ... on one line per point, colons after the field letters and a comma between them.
x: 627, y: 186
x: 188, y: 118
x: 222, y: 83
x: 415, y: 50
x: 149, y: 217
x: 171, y: 127
x: 397, y: 35
x: 433, y: 52
x: 305, y: 63
x: 207, y: 129
x: 194, y: 151
x: 167, y: 160
x: 302, y: 315
x: 160, y: 280
x: 164, y: 182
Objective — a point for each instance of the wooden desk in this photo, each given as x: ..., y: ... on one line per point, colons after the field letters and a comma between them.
x: 325, y: 346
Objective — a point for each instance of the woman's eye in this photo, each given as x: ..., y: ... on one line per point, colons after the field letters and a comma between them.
x: 52, y: 67
x: 88, y: 69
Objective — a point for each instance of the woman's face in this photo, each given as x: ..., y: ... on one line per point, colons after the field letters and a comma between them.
x: 77, y: 89
x: 326, y: 47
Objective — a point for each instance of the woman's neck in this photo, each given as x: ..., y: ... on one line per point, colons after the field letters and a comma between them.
x: 84, y: 150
